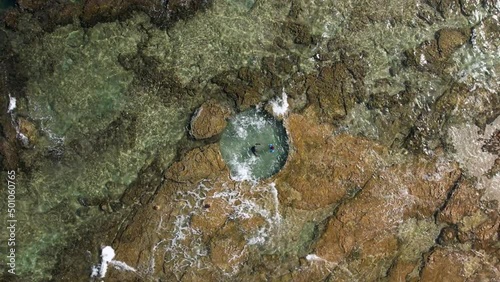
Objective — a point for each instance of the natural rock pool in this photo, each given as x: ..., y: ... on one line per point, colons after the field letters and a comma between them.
x: 255, y: 129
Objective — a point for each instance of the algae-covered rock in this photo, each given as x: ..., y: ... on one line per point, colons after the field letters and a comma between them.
x: 209, y: 120
x: 336, y: 89
x: 434, y: 55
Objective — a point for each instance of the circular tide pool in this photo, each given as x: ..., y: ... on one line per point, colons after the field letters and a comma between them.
x: 248, y: 129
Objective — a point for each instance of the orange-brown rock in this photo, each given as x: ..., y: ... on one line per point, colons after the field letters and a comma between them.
x: 229, y: 249
x: 457, y: 265
x: 364, y: 227
x: 323, y: 168
x: 209, y: 120
x: 464, y: 202
x: 198, y: 164
x: 401, y: 271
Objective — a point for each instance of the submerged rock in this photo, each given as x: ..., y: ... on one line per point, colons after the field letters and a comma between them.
x: 434, y: 55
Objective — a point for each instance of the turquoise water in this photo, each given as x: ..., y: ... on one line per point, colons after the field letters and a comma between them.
x: 246, y: 130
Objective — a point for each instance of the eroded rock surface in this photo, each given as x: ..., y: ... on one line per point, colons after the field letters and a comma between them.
x: 209, y: 120
x: 323, y: 167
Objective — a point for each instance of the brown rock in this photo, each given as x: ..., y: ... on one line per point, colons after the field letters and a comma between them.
x: 363, y: 228
x: 331, y: 91
x: 209, y: 120
x: 106, y: 10
x: 464, y: 202
x: 28, y: 129
x: 401, y: 271
x: 449, y: 40
x: 198, y: 164
x: 322, y: 168
x: 434, y: 55
x: 31, y: 4
x: 216, y: 211
x: 228, y: 250
x: 457, y: 265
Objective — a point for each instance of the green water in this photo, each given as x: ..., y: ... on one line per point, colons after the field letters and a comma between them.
x: 5, y: 4
x: 246, y: 130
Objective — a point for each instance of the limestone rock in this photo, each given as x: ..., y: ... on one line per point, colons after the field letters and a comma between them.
x: 198, y: 164
x: 209, y: 120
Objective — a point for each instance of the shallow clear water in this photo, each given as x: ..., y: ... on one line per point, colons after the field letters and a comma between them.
x: 246, y: 130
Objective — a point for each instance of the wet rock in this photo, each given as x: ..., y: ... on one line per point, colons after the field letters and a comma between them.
x: 450, y: 39
x: 457, y: 265
x: 31, y: 4
x: 213, y: 217
x: 28, y: 129
x: 248, y: 87
x: 299, y: 32
x: 52, y: 13
x: 336, y: 89
x: 453, y: 106
x: 229, y: 250
x: 445, y: 8
x: 464, y: 202
x: 363, y: 228
x: 324, y: 168
x: 209, y: 120
x: 95, y: 11
x: 434, y: 55
x: 198, y: 164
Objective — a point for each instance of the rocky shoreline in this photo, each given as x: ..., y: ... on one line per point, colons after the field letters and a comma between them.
x: 393, y: 170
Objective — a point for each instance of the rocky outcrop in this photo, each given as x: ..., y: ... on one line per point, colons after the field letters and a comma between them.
x: 363, y: 229
x: 457, y: 265
x: 322, y: 167
x: 198, y: 164
x: 336, y: 89
x: 209, y: 120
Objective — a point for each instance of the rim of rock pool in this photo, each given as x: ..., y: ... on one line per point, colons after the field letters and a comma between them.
x: 245, y: 145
